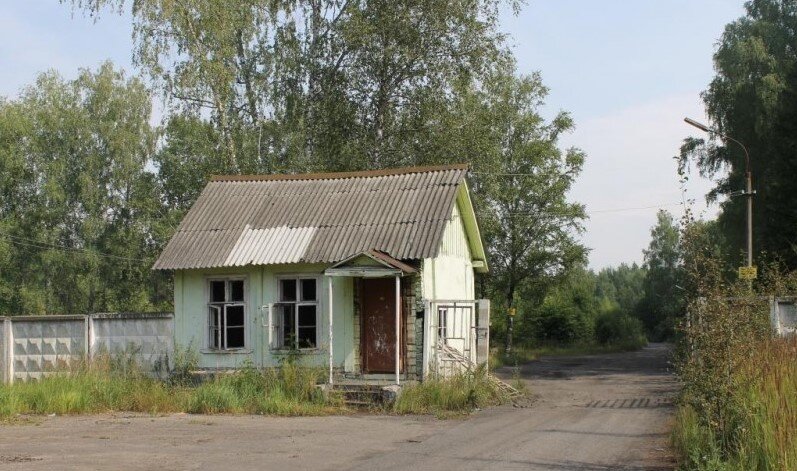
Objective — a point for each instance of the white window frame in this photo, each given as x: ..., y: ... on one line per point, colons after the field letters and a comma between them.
x: 279, y: 325
x: 221, y: 310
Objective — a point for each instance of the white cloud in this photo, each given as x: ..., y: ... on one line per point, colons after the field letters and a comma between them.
x: 630, y: 165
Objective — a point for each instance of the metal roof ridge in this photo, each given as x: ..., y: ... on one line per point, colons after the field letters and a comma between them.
x: 339, y: 175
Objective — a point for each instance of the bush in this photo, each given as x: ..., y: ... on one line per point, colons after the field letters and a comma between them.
x: 561, y: 323
x: 455, y: 395
x: 616, y: 328
x: 738, y: 406
x: 288, y: 390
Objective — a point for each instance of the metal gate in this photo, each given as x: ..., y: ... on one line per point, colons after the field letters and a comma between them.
x: 456, y: 336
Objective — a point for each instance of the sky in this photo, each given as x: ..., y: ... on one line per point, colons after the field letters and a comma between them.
x: 627, y: 71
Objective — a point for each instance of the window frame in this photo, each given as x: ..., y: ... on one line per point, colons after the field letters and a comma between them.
x: 221, y: 313
x: 281, y: 343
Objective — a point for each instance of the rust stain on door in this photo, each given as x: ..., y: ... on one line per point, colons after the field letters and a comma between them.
x: 379, y: 325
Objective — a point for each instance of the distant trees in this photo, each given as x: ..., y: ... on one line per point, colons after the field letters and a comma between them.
x: 662, y: 302
x: 80, y: 216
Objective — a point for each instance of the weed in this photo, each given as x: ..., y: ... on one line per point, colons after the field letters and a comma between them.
x: 455, y: 395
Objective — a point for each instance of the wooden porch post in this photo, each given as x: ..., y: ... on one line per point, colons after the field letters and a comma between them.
x: 331, y: 361
x: 398, y: 328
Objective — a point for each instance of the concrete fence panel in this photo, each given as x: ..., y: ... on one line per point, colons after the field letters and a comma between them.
x: 42, y: 344
x: 34, y: 346
x: 149, y: 337
x: 783, y: 315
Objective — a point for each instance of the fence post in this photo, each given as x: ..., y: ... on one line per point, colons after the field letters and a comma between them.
x: 9, y: 350
x: 3, y: 354
x: 774, y: 318
x: 483, y: 332
x: 89, y: 337
x: 427, y: 339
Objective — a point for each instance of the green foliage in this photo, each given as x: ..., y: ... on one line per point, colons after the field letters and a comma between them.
x: 288, y: 390
x: 521, y: 184
x: 759, y: 426
x: 753, y: 98
x: 458, y: 394
x: 92, y: 387
x: 739, y: 401
x: 622, y: 287
x: 615, y: 328
x: 80, y: 217
x: 662, y: 303
x: 570, y: 312
x: 181, y: 366
x: 312, y: 84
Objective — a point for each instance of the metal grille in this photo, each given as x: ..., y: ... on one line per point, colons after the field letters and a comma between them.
x: 451, y: 334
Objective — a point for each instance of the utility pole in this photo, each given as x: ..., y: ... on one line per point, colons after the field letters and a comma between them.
x: 749, y: 194
x: 750, y: 273
x: 510, y: 329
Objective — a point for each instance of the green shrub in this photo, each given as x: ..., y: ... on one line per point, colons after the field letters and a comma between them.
x: 561, y: 323
x: 615, y: 328
x: 458, y: 394
x: 288, y: 390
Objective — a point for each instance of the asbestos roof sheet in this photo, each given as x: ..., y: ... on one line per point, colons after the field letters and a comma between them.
x: 271, y: 219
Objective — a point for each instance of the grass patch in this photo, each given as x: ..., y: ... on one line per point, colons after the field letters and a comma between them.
x: 109, y: 385
x: 289, y: 390
x: 446, y: 397
x: 759, y: 426
x: 90, y: 389
x: 101, y: 387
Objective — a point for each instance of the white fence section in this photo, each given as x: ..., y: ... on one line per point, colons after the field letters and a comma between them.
x: 783, y: 315
x: 33, y: 346
x: 456, y: 335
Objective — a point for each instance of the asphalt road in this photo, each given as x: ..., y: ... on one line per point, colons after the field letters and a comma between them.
x: 600, y: 412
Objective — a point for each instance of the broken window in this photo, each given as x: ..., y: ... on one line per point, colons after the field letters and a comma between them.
x: 226, y: 314
x: 297, y: 313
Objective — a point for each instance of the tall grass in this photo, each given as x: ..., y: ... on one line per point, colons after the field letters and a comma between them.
x: 109, y: 384
x: 288, y: 390
x: 759, y: 427
x: 458, y: 394
x: 91, y: 387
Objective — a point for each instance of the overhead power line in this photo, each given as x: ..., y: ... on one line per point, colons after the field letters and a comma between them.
x: 618, y: 210
x: 45, y: 245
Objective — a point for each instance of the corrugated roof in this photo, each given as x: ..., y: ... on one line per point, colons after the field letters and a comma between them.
x: 270, y: 219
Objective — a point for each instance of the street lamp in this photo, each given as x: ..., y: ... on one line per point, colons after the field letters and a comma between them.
x: 748, y: 184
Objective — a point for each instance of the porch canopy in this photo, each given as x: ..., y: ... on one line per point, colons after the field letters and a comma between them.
x: 370, y: 264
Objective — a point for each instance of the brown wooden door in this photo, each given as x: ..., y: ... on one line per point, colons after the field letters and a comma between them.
x: 379, y: 325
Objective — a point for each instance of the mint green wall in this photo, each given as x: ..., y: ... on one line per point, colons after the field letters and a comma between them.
x: 191, y: 315
x: 450, y: 274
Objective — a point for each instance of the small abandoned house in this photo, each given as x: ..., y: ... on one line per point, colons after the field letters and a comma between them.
x: 370, y: 274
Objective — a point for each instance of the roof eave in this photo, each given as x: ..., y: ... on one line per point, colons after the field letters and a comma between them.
x: 468, y: 214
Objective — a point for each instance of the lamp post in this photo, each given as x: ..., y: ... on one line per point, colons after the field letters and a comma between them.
x: 748, y: 183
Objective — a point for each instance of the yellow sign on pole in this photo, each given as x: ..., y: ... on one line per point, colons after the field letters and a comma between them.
x: 512, y: 311
x: 748, y: 273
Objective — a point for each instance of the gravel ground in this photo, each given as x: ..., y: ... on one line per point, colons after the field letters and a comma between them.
x: 594, y: 412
